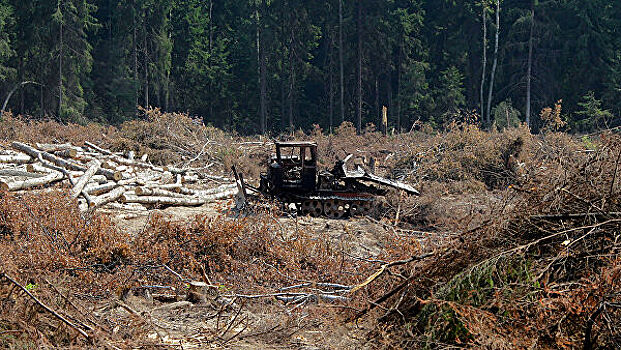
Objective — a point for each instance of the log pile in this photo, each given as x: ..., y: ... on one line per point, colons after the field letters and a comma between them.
x: 97, y: 176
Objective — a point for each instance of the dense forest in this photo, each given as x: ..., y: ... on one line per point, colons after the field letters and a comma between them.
x: 272, y: 65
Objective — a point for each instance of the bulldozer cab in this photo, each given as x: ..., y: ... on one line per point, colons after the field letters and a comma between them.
x: 295, y: 164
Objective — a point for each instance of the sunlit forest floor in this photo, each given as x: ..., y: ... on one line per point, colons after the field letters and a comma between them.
x: 513, y: 243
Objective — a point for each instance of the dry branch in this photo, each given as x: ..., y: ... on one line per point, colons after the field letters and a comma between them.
x: 46, y: 308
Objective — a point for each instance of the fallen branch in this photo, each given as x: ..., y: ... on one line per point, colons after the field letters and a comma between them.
x: 46, y: 308
x: 384, y: 267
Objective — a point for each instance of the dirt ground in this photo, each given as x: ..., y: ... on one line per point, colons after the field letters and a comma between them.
x: 256, y: 324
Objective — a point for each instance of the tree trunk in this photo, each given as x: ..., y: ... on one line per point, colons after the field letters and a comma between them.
x: 135, y: 54
x: 341, y: 86
x: 482, y: 103
x: 146, y: 70
x: 283, y: 103
x: 210, y: 58
x: 262, y: 67
x: 378, y: 109
x: 389, y: 86
x: 41, y: 103
x: 291, y: 78
x: 331, y: 84
x: 399, y: 58
x: 60, y: 70
x: 530, y: 63
x: 491, y: 82
x: 359, y: 110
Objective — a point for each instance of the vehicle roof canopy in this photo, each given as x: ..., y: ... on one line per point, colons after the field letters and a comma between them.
x: 295, y: 144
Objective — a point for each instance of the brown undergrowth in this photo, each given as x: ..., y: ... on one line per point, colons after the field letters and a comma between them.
x: 514, y: 242
x: 540, y: 271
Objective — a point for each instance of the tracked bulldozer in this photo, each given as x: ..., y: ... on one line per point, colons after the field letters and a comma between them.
x: 293, y: 178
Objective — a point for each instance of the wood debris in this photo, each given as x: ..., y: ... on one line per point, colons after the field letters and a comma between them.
x: 98, y: 177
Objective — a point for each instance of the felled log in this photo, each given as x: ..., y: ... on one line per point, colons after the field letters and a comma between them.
x: 218, y: 189
x: 108, y: 164
x: 15, y: 158
x: 99, y: 179
x: 53, y: 147
x: 111, y: 196
x: 110, y: 174
x: 38, y: 168
x: 158, y: 192
x: 79, y: 186
x: 125, y: 161
x: 220, y: 195
x: 29, y: 183
x: 67, y: 153
x: 17, y: 172
x: 218, y: 178
x: 99, y: 189
x: 189, y: 178
x: 158, y: 200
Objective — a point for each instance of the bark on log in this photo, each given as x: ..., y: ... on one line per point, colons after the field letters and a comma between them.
x: 79, y: 186
x: 218, y: 189
x: 125, y: 161
x: 111, y: 196
x: 129, y: 198
x: 158, y: 192
x: 52, y: 147
x: 221, y: 195
x: 189, y: 178
x: 99, y: 189
x: 15, y: 158
x: 67, y: 153
x: 110, y: 174
x: 38, y: 168
x: 17, y: 172
x: 99, y: 179
x: 108, y: 164
x: 34, y: 182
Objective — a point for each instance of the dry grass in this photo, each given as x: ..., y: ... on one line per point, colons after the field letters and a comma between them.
x: 511, y: 268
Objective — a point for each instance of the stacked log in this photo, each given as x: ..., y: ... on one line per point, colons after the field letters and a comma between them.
x: 98, y: 177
